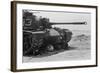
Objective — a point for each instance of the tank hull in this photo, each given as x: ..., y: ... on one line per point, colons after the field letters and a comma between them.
x: 40, y: 42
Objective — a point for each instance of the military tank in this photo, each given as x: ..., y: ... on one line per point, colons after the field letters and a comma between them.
x: 40, y: 36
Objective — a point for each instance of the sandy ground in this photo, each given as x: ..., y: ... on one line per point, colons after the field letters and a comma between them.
x: 67, y: 55
x: 79, y: 50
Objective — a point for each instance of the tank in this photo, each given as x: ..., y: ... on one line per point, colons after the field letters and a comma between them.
x: 40, y: 36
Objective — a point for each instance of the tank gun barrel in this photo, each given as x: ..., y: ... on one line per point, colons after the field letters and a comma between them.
x: 72, y: 23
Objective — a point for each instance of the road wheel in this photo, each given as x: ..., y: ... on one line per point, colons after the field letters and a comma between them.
x: 50, y: 48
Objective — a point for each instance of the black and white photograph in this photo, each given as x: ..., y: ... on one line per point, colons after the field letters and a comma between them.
x: 53, y: 36
x: 48, y: 35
